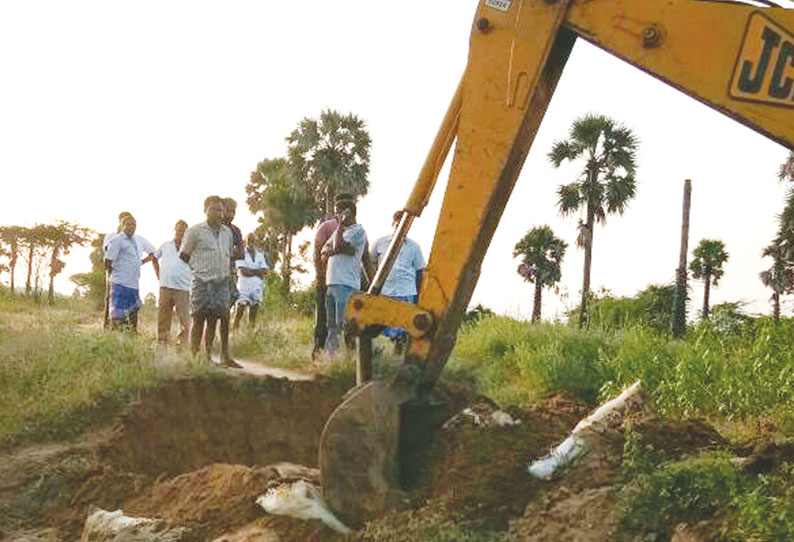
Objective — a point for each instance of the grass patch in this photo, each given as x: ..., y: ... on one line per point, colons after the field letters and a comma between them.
x: 279, y: 340
x: 59, y: 375
x: 658, y: 495
x: 691, y: 490
x: 734, y: 373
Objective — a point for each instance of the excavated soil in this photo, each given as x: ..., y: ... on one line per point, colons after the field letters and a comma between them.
x: 197, y: 452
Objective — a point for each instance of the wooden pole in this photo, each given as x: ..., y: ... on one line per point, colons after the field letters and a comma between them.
x: 680, y: 296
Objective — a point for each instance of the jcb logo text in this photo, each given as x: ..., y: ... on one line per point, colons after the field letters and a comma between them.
x: 765, y: 67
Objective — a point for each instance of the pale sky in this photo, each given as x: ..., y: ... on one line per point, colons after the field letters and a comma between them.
x: 151, y: 106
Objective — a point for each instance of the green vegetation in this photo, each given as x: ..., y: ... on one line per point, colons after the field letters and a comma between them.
x: 750, y: 506
x: 541, y: 259
x: 706, y: 264
x: 605, y: 184
x: 744, y: 372
x: 62, y: 375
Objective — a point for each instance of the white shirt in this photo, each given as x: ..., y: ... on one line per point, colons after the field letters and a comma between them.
x: 402, y: 277
x: 251, y: 287
x: 174, y: 272
x: 126, y: 253
x: 345, y: 269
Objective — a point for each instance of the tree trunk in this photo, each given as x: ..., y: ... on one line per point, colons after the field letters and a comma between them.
x: 588, y: 260
x: 706, y: 297
x: 30, y: 270
x: 53, y: 265
x: 776, y: 305
x: 679, y: 298
x: 329, y: 201
x: 536, y: 305
x: 12, y: 263
x: 286, y: 263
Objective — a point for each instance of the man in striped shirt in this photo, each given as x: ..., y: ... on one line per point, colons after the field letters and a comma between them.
x: 208, y: 248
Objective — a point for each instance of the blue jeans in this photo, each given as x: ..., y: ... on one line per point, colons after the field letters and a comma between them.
x: 335, y: 302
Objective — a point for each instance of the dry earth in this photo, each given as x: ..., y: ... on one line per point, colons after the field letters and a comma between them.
x: 197, y: 452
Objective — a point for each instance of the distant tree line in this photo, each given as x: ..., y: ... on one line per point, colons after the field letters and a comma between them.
x: 605, y: 185
x: 38, y: 250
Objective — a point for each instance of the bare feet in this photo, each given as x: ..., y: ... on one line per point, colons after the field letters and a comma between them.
x: 230, y: 363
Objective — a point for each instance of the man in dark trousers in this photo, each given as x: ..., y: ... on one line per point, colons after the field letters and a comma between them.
x: 324, y: 232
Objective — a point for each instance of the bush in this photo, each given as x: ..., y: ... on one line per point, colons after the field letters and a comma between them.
x: 651, y: 307
x: 691, y: 491
x: 736, y: 374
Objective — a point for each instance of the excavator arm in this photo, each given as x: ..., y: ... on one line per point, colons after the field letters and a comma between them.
x: 736, y: 58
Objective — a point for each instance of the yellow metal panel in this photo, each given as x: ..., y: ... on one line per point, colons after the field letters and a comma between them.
x: 505, y: 92
x: 364, y: 310
x: 738, y: 59
x: 489, y: 124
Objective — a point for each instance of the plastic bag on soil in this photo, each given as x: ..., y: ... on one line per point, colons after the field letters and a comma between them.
x: 608, y: 415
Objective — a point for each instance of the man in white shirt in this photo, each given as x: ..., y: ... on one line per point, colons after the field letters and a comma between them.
x: 404, y: 278
x: 174, y: 275
x: 251, y: 270
x: 123, y: 260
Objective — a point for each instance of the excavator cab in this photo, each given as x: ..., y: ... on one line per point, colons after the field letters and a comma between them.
x: 736, y: 58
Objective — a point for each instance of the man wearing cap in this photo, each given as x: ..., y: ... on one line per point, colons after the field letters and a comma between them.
x: 174, y: 275
x: 347, y: 259
x: 123, y: 261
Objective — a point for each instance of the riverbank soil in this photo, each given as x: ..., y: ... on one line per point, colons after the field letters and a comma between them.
x: 196, y: 453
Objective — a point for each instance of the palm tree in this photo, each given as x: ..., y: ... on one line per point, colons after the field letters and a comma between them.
x: 541, y: 254
x: 709, y: 256
x: 285, y: 207
x: 331, y: 155
x: 604, y: 186
x: 779, y: 277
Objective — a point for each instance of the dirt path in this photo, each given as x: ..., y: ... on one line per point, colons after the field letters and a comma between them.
x: 255, y: 368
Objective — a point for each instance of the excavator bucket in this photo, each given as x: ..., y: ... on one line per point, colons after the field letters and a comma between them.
x: 359, y: 453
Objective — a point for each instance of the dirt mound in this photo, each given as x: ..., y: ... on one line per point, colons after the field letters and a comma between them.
x: 587, y: 515
x: 242, y: 420
x: 193, y: 453
x: 220, y: 498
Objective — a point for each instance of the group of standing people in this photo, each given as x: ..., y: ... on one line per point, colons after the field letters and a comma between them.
x: 207, y: 269
x: 344, y: 263
x: 203, y: 271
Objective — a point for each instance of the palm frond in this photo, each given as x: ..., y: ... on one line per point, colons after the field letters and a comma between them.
x: 786, y: 172
x: 569, y: 198
x: 563, y: 150
x: 588, y: 130
x: 619, y: 191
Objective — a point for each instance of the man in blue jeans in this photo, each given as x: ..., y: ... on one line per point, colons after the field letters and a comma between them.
x: 346, y: 257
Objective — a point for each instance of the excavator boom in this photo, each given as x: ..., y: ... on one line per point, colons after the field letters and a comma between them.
x: 736, y: 58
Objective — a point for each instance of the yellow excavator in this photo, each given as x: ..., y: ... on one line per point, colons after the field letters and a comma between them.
x: 736, y: 58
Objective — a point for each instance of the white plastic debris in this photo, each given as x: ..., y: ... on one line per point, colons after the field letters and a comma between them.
x: 497, y: 417
x: 300, y: 500
x: 104, y: 526
x: 609, y: 414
